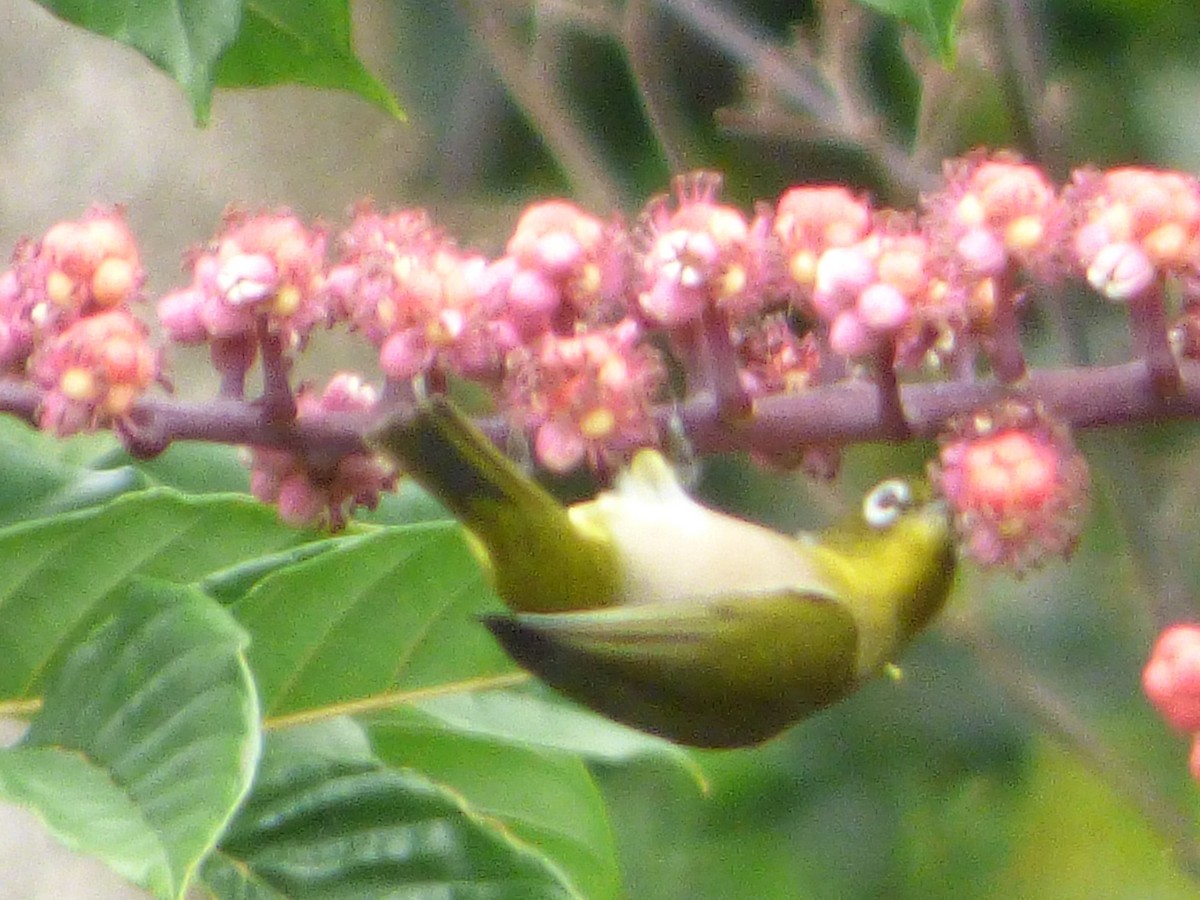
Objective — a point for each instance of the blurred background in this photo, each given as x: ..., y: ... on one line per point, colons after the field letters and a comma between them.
x: 1017, y: 756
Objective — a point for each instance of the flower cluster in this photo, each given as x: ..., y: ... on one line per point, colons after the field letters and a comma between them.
x: 865, y: 275
x: 580, y: 327
x: 577, y: 392
x: 700, y: 256
x: 1171, y: 681
x: 812, y: 219
x: 80, y: 268
x: 582, y: 331
x: 998, y: 214
x: 1136, y: 226
x: 1017, y: 486
x: 870, y: 292
x: 261, y: 271
x: 426, y: 304
x: 308, y: 489
x: 66, y: 325
x: 93, y: 372
x: 563, y: 269
x: 998, y: 225
x: 774, y: 358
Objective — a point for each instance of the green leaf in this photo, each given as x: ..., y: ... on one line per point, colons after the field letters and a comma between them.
x: 390, y: 611
x: 518, y: 755
x: 547, y: 798
x: 933, y: 20
x: 79, y: 803
x: 147, y: 739
x: 42, y: 478
x: 59, y: 574
x: 530, y: 715
x: 407, y: 505
x: 327, y: 819
x: 193, y: 467
x: 309, y: 43
x: 232, y: 584
x: 235, y: 43
x: 185, y: 40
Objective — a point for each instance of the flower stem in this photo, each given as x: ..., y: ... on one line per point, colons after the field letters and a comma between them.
x: 733, y: 403
x: 1149, y: 324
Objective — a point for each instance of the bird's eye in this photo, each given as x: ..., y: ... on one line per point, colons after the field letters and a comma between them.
x: 887, y: 502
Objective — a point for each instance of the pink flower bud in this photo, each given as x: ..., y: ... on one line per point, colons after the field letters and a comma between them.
x: 983, y: 252
x: 532, y: 295
x: 1171, y: 678
x: 557, y: 252
x: 884, y: 309
x: 299, y: 502
x: 179, y: 314
x: 558, y: 447
x: 404, y: 355
x: 843, y: 273
x: 849, y: 336
x: 264, y: 485
x: 1089, y: 240
x: 247, y: 278
x: 670, y: 304
x: 222, y: 320
x: 114, y: 281
x: 347, y: 392
x: 1121, y: 271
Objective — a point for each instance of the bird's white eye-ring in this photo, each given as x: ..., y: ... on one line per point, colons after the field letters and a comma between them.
x: 887, y: 501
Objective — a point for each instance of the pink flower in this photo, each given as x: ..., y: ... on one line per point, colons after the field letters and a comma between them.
x: 1016, y: 484
x: 78, y: 268
x: 811, y: 219
x: 587, y: 396
x: 699, y: 254
x: 564, y: 266
x: 880, y: 292
x: 385, y: 278
x: 179, y: 313
x: 93, y: 372
x: 1152, y: 213
x: 312, y: 492
x: 87, y: 265
x: 997, y: 212
x: 1171, y: 678
x: 426, y: 304
x: 262, y: 267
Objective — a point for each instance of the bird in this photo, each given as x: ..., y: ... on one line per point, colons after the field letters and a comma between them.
x: 666, y: 615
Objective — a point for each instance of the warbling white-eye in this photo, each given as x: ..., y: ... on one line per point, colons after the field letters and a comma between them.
x: 661, y: 613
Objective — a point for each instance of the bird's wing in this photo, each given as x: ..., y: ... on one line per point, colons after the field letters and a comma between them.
x: 716, y: 672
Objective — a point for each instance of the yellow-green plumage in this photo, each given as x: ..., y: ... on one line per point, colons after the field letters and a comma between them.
x: 537, y: 560
x: 666, y: 615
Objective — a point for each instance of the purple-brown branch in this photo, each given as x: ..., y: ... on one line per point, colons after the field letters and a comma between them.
x: 849, y: 412
x: 844, y: 413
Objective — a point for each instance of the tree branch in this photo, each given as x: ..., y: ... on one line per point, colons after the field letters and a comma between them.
x: 847, y: 412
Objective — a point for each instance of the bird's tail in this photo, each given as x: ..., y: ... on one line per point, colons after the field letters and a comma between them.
x: 539, y: 560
